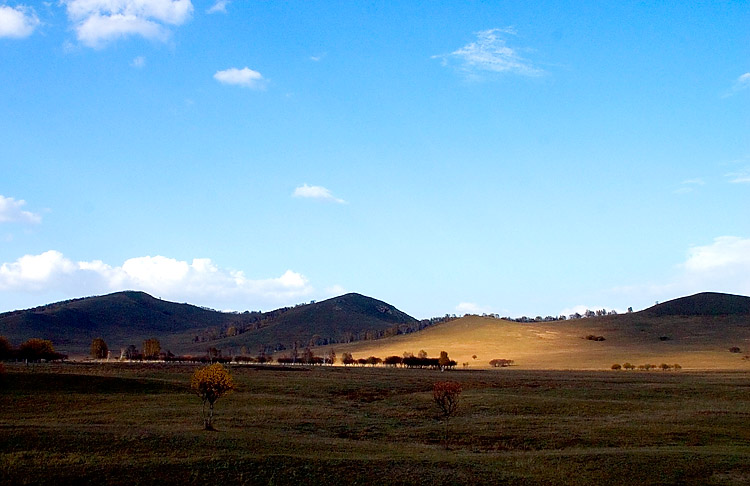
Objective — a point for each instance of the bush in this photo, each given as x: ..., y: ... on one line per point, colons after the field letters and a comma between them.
x: 616, y: 366
x: 501, y: 363
x: 735, y: 349
x: 211, y: 383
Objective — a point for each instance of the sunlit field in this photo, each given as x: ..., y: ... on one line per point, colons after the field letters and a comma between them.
x: 138, y: 424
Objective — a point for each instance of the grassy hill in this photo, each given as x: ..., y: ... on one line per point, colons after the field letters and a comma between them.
x: 125, y: 318
x: 695, y: 331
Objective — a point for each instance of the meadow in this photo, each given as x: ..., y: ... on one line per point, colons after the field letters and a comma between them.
x: 140, y: 424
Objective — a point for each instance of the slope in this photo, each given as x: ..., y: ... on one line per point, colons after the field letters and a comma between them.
x: 700, y: 341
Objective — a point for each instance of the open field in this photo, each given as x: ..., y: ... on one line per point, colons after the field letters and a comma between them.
x: 139, y: 424
x: 694, y: 342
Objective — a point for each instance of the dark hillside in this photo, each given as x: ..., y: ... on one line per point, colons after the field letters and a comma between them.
x: 703, y: 304
x: 121, y: 318
x: 126, y: 318
x: 345, y: 318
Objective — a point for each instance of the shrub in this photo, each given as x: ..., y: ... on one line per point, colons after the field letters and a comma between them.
x: 628, y: 366
x: 211, y: 383
x: 501, y: 363
x: 445, y: 395
x: 734, y: 349
x: 616, y: 366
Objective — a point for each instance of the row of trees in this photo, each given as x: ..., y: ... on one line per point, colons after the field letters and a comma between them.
x: 646, y: 367
x: 33, y: 349
x: 151, y: 350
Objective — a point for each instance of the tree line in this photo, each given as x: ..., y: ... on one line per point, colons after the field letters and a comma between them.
x: 33, y: 350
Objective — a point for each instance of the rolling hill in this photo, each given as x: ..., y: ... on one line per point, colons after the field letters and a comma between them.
x: 125, y: 318
x: 695, y: 331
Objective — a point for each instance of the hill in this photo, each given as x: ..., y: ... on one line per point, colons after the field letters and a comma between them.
x: 125, y: 318
x: 696, y: 332
x: 703, y: 304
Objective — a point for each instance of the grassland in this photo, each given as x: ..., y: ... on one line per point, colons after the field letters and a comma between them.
x: 138, y: 424
x: 694, y: 342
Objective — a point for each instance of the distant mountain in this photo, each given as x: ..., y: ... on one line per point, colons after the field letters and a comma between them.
x: 125, y: 318
x: 703, y: 304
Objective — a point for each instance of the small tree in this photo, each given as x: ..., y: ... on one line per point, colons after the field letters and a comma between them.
x: 211, y: 383
x: 422, y: 354
x: 6, y: 350
x: 151, y: 348
x: 616, y: 366
x: 444, y: 361
x: 99, y: 349
x: 445, y: 395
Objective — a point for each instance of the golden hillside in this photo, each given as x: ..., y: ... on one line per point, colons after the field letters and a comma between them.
x: 694, y: 342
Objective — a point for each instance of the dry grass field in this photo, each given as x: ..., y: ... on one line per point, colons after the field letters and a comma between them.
x: 139, y: 424
x: 693, y: 342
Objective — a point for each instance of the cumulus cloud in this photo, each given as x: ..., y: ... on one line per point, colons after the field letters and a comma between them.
x: 316, y: 192
x: 470, y: 308
x: 490, y: 54
x: 11, y: 211
x: 720, y: 266
x: 245, y: 77
x: 17, y: 22
x: 97, y: 22
x: 219, y: 7
x: 197, y: 281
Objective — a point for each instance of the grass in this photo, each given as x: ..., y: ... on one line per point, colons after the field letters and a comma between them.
x: 139, y: 424
x: 695, y: 342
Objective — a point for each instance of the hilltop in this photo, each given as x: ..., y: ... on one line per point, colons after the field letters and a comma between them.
x: 125, y: 318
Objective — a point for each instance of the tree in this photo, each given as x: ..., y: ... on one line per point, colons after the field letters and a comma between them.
x: 347, y: 359
x: 616, y: 366
x: 211, y: 383
x: 5, y: 348
x: 99, y: 349
x: 151, y: 348
x: 444, y: 361
x: 36, y: 349
x: 331, y: 357
x: 422, y: 354
x: 445, y: 395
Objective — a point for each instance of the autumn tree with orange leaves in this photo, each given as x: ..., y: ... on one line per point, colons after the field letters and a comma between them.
x: 211, y: 383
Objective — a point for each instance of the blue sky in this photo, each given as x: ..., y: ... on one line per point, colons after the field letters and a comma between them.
x: 445, y: 157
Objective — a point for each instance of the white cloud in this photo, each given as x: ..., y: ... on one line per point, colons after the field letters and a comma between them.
x: 491, y: 54
x: 316, y: 192
x: 18, y: 22
x: 97, y: 22
x: 741, y: 176
x: 470, y: 308
x: 138, y: 62
x: 689, y: 185
x: 743, y: 82
x: 244, y: 77
x: 11, y: 211
x: 219, y: 7
x: 720, y: 266
x: 197, y: 281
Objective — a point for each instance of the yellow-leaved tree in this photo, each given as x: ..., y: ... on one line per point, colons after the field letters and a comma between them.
x: 211, y: 383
